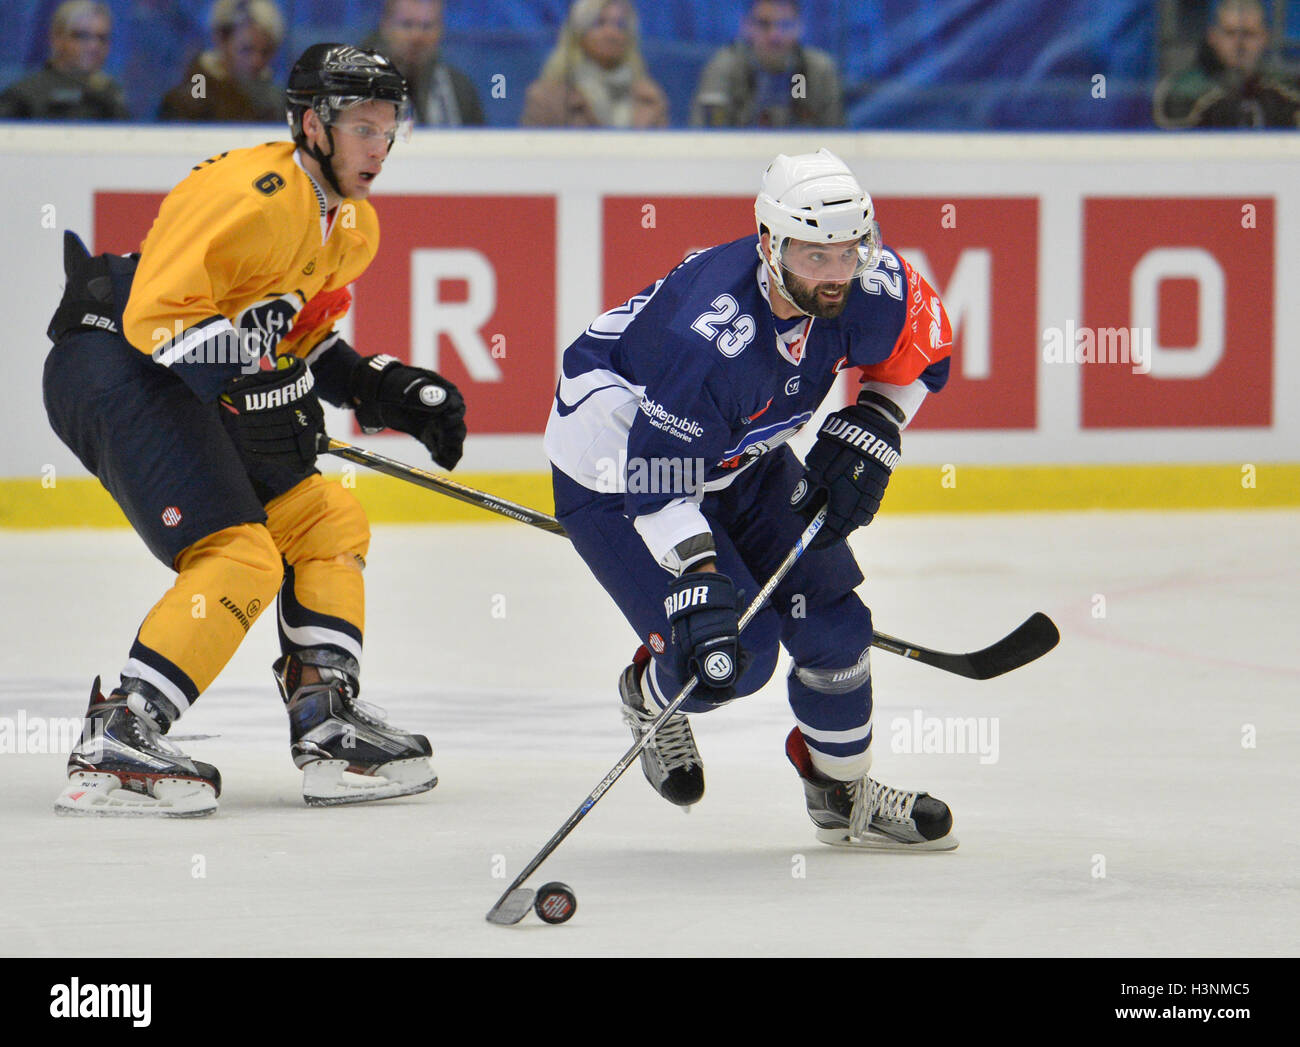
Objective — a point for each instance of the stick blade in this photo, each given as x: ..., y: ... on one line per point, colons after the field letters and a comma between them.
x: 512, y: 907
x: 1032, y: 639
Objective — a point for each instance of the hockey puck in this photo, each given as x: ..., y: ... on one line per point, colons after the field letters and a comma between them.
x: 555, y: 902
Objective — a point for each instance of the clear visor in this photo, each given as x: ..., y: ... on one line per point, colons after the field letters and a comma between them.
x: 834, y: 263
x: 337, y: 111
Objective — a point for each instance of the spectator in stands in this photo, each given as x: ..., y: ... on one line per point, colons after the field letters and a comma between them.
x: 768, y: 78
x: 72, y: 85
x: 1233, y: 83
x: 410, y: 34
x: 596, y: 76
x: 232, y: 83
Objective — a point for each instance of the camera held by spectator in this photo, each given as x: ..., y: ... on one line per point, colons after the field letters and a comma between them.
x: 768, y: 78
x: 1233, y: 83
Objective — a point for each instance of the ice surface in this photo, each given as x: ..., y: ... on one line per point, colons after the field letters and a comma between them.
x: 1158, y: 744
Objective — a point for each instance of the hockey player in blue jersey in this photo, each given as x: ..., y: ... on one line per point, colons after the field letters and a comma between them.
x: 667, y: 441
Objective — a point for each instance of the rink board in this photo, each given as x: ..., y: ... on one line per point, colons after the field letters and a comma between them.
x: 82, y: 502
x: 1061, y: 259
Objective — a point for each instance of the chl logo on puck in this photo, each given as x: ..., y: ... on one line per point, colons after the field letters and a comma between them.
x: 717, y: 666
x: 555, y: 902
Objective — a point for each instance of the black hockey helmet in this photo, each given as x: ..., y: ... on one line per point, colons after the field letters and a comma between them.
x: 331, y: 78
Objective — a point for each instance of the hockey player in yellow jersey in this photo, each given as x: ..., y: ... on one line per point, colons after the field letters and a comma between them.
x: 187, y: 379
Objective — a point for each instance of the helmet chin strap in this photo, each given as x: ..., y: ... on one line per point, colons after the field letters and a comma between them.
x: 775, y: 279
x: 326, y: 161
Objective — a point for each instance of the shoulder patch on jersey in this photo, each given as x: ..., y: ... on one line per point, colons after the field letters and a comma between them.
x: 268, y: 184
x: 210, y: 161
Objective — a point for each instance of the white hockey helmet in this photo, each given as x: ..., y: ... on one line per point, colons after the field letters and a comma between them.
x: 814, y: 198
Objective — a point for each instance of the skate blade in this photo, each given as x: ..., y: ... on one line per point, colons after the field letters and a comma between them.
x: 98, y: 794
x: 880, y: 842
x: 328, y: 783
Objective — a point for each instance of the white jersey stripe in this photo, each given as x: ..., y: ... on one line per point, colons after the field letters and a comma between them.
x: 854, y: 734
x: 149, y: 675
x: 306, y: 636
x: 191, y: 340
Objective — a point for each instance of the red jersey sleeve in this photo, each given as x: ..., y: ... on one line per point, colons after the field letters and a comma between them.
x: 926, y: 337
x: 315, y: 321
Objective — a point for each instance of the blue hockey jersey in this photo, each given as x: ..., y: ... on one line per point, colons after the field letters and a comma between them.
x: 680, y: 389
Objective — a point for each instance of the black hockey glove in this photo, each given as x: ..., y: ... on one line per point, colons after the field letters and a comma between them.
x: 847, y: 469
x: 701, y: 608
x: 274, y: 416
x: 388, y: 394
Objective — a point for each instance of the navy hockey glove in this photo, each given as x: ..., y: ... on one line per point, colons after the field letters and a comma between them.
x: 847, y: 469
x: 387, y: 394
x: 701, y: 608
x: 274, y: 416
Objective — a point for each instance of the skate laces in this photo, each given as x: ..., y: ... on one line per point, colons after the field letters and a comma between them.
x: 148, y: 735
x: 346, y: 687
x: 343, y: 687
x: 672, y: 742
x: 872, y: 800
x: 374, y: 715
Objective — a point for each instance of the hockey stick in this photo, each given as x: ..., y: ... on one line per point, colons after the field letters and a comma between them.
x: 434, y: 482
x: 513, y: 906
x: 1032, y: 639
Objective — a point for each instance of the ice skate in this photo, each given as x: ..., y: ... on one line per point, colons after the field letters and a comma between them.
x: 671, y: 762
x: 346, y: 751
x: 863, y: 813
x: 124, y: 766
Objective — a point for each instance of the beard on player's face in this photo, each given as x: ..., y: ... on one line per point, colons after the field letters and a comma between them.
x: 820, y: 299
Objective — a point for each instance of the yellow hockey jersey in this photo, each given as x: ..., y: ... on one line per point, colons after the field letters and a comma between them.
x: 244, y: 261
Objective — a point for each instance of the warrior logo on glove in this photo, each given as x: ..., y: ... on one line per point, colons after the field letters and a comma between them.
x: 272, y: 398
x: 847, y: 470
x: 701, y: 609
x: 273, y: 415
x: 718, y: 667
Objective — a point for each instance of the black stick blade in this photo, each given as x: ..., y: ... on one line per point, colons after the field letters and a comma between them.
x: 1032, y: 639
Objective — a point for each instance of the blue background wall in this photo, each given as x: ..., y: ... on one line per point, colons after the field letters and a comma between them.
x: 918, y: 64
